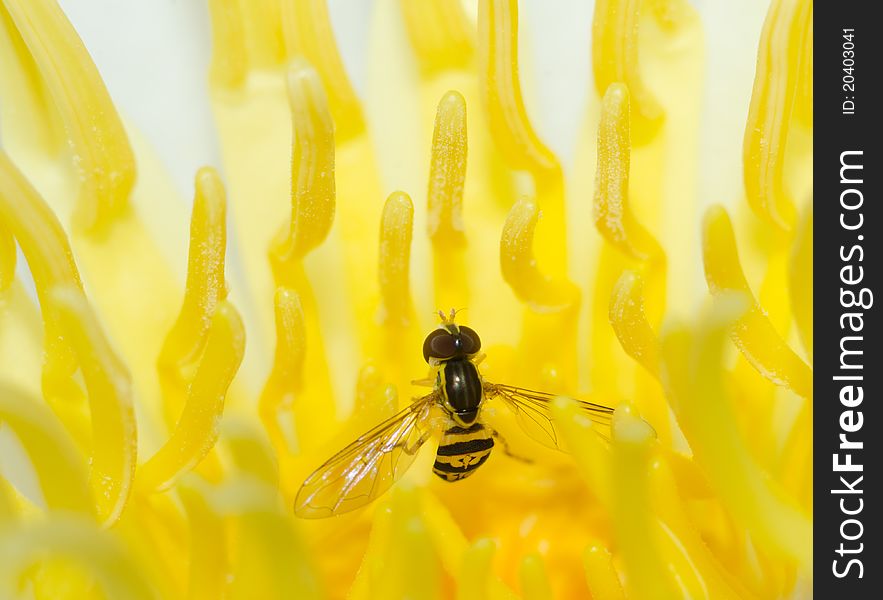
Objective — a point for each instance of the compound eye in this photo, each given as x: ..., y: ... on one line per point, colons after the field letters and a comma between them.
x: 469, y: 340
x: 439, y: 344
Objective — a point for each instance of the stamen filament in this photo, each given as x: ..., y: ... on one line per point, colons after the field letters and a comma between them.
x: 101, y: 153
x: 592, y: 455
x: 615, y: 60
x: 114, y: 431
x: 776, y: 83
x: 47, y: 251
x: 630, y: 322
x: 753, y: 333
x: 197, y: 429
x: 447, y: 173
x: 601, y: 576
x: 534, y: 579
x: 692, y: 363
x: 272, y: 560
x: 46, y: 248
x: 648, y: 574
x: 312, y: 165
x: 397, y: 307
x: 452, y: 547
x: 286, y: 375
x: 208, y: 545
x: 57, y: 463
x: 519, y: 266
x: 205, y: 287
x: 474, y: 575
x: 613, y: 216
x: 440, y: 34
x: 229, y: 57
x: 800, y: 279
x: 7, y: 258
x: 510, y: 128
x: 307, y: 31
x: 105, y: 558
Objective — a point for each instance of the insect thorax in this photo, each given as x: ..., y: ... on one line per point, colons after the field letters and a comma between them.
x: 460, y: 386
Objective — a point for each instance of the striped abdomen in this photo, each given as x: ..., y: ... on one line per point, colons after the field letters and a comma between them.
x: 462, y: 450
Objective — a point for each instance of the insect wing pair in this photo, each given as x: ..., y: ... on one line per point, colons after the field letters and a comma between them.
x: 369, y: 466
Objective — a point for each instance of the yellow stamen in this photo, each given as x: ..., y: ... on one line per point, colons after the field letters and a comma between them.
x: 152, y: 526
x: 312, y: 213
x: 249, y: 450
x: 700, y: 397
x: 397, y: 307
x: 638, y: 338
x: 102, y: 157
x: 440, y: 33
x: 800, y: 279
x: 540, y: 291
x: 613, y: 216
x: 263, y: 35
x: 312, y: 165
x: 229, y: 58
x: 670, y: 14
x: 407, y: 566
x: 286, y: 375
x: 204, y: 289
x: 99, y: 553
x: 114, y: 432
x: 697, y: 568
x: 197, y: 428
x: 753, y: 333
x: 8, y: 509
x: 45, y: 247
x: 22, y: 351
x: 370, y: 574
x: 474, y: 579
x: 444, y: 220
x: 47, y: 251
x: 615, y: 59
x: 447, y: 171
x: 592, y: 455
x: 534, y: 580
x: 7, y: 258
x: 57, y: 463
x: 630, y: 322
x: 803, y: 103
x: 307, y: 31
x: 208, y: 545
x: 452, y: 547
x: 776, y: 82
x: 601, y: 577
x: 271, y: 560
x: 644, y: 559
x: 510, y: 128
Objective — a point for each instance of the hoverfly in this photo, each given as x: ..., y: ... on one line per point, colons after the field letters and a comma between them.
x: 369, y: 466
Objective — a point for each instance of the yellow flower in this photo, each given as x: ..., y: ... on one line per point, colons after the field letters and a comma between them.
x: 148, y: 451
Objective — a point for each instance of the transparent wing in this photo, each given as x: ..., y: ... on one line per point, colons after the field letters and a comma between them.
x: 532, y: 410
x: 368, y: 467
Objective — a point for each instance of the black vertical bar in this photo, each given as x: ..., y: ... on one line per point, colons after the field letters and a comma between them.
x: 847, y: 230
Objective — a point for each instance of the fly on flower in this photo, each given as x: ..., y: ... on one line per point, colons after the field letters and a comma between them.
x: 367, y: 468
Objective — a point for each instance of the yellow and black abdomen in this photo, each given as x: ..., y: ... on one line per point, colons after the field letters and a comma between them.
x: 462, y: 450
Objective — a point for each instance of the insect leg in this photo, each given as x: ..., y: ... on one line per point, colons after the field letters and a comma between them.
x: 411, y: 450
x: 506, y: 449
x: 479, y: 358
x: 425, y: 382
